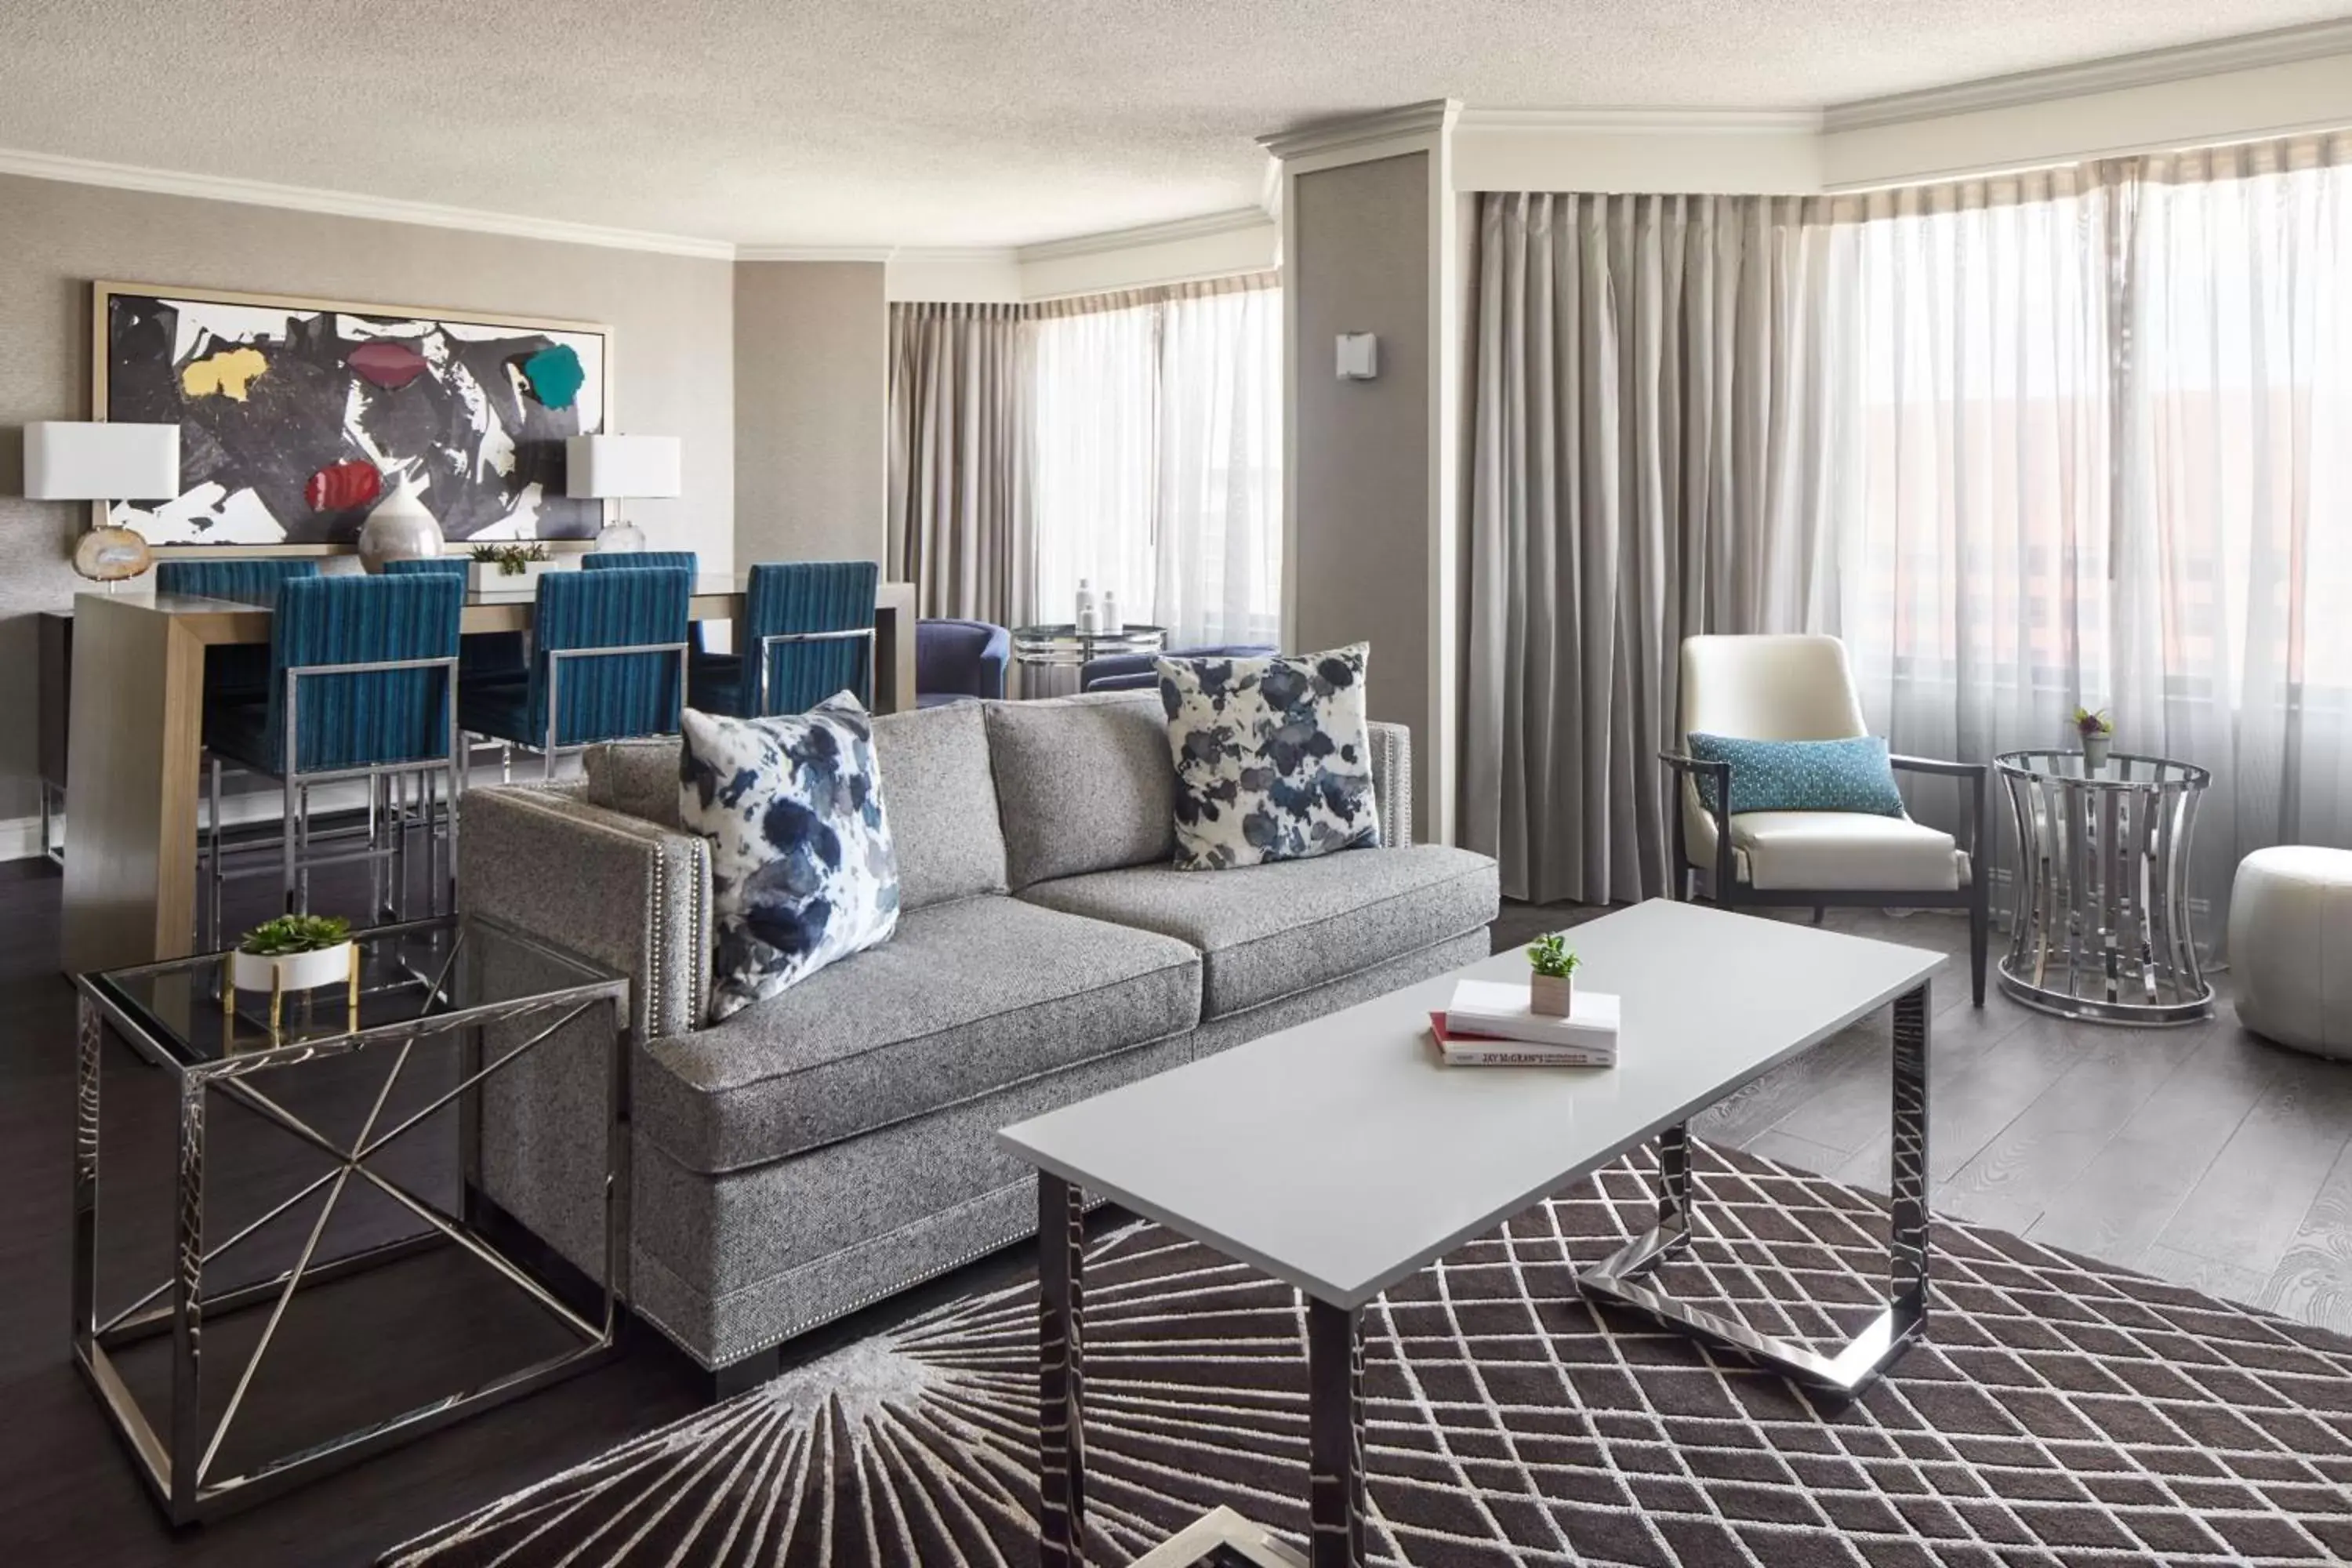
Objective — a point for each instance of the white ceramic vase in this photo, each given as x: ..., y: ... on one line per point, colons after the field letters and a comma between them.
x: 399, y: 529
x: 2094, y: 752
x: 292, y: 970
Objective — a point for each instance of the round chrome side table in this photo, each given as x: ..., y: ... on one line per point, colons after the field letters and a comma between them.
x: 1044, y: 652
x: 2101, y: 927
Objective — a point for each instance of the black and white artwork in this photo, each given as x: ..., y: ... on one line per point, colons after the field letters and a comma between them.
x: 297, y: 418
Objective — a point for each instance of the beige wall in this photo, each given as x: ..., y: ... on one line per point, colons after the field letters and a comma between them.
x: 1360, y: 450
x: 672, y: 318
x: 812, y: 411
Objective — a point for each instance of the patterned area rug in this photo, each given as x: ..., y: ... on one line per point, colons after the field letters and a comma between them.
x: 2060, y: 1414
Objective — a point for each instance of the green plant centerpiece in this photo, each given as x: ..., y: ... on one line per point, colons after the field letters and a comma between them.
x: 2098, y: 733
x: 293, y: 952
x: 512, y: 560
x: 1551, y: 983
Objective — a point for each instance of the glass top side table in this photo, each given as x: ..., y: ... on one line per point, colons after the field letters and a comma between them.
x: 1064, y: 643
x: 2101, y: 930
x: 406, y: 1045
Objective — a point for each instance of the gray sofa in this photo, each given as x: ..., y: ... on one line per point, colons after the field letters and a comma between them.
x: 831, y: 1146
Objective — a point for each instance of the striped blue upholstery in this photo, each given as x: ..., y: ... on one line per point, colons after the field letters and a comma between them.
x: 797, y: 596
x: 234, y: 672
x: 650, y: 560
x: 481, y: 653
x: 351, y: 720
x: 600, y: 699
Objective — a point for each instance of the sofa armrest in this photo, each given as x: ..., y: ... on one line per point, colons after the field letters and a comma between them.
x: 1392, y: 783
x: 616, y: 888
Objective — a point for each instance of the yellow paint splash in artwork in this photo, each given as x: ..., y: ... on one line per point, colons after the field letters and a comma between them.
x: 224, y: 375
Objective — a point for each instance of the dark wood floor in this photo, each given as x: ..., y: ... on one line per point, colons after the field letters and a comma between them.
x: 2200, y: 1154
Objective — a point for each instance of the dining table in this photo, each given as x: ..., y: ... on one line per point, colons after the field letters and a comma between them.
x: 135, y: 744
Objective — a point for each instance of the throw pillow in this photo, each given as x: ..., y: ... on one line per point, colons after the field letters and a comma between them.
x: 1272, y: 757
x: 1802, y: 775
x: 801, y: 869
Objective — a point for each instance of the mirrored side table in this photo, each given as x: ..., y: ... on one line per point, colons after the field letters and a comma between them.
x: 2101, y: 927
x: 1050, y: 657
x: 358, y: 1102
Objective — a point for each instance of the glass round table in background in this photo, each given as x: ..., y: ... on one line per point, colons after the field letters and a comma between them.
x: 2101, y: 930
x: 1051, y: 656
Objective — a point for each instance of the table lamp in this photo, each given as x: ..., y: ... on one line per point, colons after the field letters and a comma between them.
x: 621, y: 468
x: 103, y: 461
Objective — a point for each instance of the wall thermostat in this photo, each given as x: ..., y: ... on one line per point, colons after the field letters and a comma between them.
x: 1359, y: 356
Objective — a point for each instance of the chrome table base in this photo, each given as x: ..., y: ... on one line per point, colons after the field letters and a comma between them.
x: 1851, y: 1367
x: 2101, y: 927
x: 180, y: 1462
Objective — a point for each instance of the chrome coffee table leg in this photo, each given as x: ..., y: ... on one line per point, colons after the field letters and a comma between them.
x: 1845, y: 1368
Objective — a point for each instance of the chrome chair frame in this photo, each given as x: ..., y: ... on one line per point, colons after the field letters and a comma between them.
x: 295, y: 859
x: 863, y: 635
x: 555, y: 658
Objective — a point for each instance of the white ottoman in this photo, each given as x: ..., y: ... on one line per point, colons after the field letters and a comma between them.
x: 2291, y: 947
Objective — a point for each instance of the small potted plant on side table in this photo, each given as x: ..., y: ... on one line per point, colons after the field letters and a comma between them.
x: 1552, y: 988
x: 293, y: 952
x: 2098, y: 733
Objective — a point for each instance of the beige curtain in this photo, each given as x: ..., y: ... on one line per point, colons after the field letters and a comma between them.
x: 1649, y: 460
x: 960, y: 513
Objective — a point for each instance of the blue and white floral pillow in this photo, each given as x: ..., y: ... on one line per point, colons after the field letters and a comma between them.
x: 1274, y: 758
x: 801, y: 869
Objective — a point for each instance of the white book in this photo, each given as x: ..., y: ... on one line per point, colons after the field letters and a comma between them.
x: 1511, y: 1054
x: 1500, y: 1010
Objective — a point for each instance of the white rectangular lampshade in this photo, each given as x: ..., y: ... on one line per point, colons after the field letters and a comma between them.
x: 94, y: 461
x: 597, y: 467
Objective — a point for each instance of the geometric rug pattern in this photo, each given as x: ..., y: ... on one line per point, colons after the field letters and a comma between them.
x: 2058, y: 1413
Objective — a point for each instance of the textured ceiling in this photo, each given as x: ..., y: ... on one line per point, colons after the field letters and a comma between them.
x: 984, y: 123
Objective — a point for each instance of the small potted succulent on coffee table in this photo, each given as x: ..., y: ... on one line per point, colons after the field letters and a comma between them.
x: 2098, y: 733
x: 294, y: 952
x: 1551, y: 987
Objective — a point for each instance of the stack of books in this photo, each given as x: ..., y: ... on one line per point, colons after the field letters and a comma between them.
x: 1489, y: 1024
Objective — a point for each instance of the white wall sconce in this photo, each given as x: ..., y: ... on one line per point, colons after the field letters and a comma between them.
x: 1359, y: 356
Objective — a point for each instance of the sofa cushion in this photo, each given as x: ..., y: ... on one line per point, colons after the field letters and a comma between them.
x: 1265, y: 931
x: 935, y: 771
x: 1838, y: 851
x: 954, y: 1005
x: 1272, y: 757
x: 803, y: 871
x: 1084, y: 784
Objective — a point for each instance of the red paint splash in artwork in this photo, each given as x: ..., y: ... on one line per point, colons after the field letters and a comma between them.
x: 387, y: 365
x: 342, y: 486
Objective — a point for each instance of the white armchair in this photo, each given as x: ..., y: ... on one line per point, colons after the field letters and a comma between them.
x: 1801, y: 689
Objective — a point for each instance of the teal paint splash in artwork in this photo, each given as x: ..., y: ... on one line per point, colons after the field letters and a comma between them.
x: 555, y: 375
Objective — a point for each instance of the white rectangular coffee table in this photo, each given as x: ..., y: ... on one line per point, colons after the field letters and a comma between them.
x: 1340, y: 1156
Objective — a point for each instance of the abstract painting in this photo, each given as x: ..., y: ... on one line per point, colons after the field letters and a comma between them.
x: 298, y: 418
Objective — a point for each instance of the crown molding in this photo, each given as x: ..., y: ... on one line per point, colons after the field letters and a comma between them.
x: 1645, y: 121
x: 2283, y: 45
x: 345, y: 203
x: 1426, y: 119
x: 1201, y: 227
x: 816, y: 252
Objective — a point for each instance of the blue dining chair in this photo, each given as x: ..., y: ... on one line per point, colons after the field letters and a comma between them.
x: 234, y: 672
x: 480, y: 653
x: 608, y: 662
x: 362, y: 673
x: 956, y: 661
x: 649, y: 559
x: 807, y: 632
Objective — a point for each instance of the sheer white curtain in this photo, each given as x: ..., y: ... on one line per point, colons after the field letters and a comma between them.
x: 1156, y: 456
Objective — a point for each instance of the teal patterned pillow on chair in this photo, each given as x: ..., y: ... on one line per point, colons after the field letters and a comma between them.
x: 1802, y: 775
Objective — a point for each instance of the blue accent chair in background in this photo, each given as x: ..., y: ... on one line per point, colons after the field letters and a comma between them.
x: 362, y: 684
x: 1132, y: 671
x: 807, y: 632
x: 956, y: 661
x: 608, y: 663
